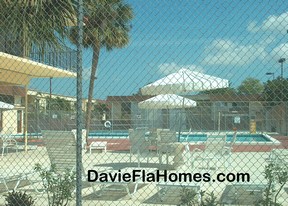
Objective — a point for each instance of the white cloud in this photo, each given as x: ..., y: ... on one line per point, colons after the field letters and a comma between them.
x: 252, y: 27
x: 226, y: 52
x: 280, y: 51
x: 272, y: 23
x: 168, y: 68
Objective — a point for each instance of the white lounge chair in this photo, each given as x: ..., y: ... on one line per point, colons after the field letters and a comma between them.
x: 99, y: 145
x: 124, y: 185
x: 228, y: 149
x: 242, y: 194
x: 17, y: 179
x: 61, y: 149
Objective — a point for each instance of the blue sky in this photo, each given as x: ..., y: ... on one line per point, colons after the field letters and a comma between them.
x: 228, y: 39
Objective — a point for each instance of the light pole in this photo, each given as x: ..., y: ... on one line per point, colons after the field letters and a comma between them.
x: 270, y: 73
x: 281, y: 61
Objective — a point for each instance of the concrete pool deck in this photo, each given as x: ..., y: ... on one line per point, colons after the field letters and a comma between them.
x: 250, y: 162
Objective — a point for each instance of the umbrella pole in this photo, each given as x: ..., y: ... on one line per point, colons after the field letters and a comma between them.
x: 180, y: 121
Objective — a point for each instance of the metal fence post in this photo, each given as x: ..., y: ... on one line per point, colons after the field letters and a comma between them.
x: 79, y: 105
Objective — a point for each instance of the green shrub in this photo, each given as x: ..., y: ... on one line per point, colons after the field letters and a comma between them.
x: 190, y: 198
x: 58, y: 186
x: 277, y: 177
x: 18, y: 199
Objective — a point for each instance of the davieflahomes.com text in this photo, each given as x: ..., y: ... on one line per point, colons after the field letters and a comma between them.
x: 164, y: 175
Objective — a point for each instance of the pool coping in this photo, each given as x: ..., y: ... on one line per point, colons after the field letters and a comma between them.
x: 272, y: 142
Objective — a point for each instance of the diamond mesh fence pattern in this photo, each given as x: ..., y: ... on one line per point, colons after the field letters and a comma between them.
x: 121, y: 102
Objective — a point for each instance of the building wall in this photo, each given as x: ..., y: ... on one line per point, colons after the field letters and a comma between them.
x: 279, y: 118
x: 12, y: 95
x: 116, y: 110
x: 10, y: 121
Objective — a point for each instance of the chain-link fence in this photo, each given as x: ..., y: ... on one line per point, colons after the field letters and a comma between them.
x: 114, y: 102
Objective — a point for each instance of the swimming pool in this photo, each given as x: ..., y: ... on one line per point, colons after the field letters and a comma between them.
x: 242, y: 138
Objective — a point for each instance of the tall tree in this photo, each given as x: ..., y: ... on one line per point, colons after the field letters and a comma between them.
x: 276, y: 90
x: 251, y: 86
x: 29, y: 22
x: 107, y: 25
x: 58, y: 104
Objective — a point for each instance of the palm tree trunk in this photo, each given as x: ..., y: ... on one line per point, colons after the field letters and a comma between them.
x: 95, y: 58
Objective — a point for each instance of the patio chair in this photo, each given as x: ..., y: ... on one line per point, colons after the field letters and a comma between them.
x: 154, y: 138
x: 8, y: 142
x: 214, y: 151
x: 166, y: 136
x: 169, y: 146
x: 139, y: 144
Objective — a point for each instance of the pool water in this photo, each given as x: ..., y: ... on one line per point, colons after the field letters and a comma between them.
x: 240, y: 138
x: 185, y: 138
x: 113, y: 135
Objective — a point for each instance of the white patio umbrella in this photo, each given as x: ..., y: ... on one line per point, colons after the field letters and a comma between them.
x: 182, y: 81
x: 167, y: 101
x: 4, y: 105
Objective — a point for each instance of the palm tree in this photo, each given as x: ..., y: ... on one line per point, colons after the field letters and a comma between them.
x: 30, y: 22
x: 107, y: 25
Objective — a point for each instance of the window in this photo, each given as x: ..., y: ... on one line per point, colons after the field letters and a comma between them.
x: 126, y: 110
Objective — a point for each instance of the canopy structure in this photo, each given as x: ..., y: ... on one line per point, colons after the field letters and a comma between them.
x: 183, y: 81
x: 19, y: 71
x: 4, y: 105
x: 16, y: 70
x: 166, y: 101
